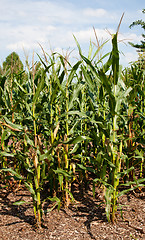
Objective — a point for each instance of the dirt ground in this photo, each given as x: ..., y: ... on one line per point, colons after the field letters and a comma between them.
x: 83, y: 220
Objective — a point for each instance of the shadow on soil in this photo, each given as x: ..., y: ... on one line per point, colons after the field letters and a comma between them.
x: 88, y: 209
x: 91, y: 209
x: 16, y: 211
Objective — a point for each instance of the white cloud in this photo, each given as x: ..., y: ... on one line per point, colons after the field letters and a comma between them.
x: 105, y: 34
x: 86, y: 35
x: 28, y: 35
x: 128, y: 57
x: 90, y: 12
x: 21, y: 45
x: 52, y: 23
x: 130, y: 37
x: 31, y: 21
x: 36, y: 12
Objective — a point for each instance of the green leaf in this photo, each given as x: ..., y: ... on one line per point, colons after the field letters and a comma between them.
x: 80, y: 114
x: 29, y: 141
x: 110, y: 163
x: 21, y: 88
x: 71, y: 195
x: 6, y: 154
x: 18, y: 203
x: 90, y: 50
x: 74, y: 96
x: 4, y: 186
x: 2, y: 81
x: 107, y: 185
x: 115, y: 59
x: 76, y: 140
x: 46, y: 155
x: 89, y: 169
x: 96, y: 78
x: 88, y: 79
x: 105, y: 80
x: 108, y: 197
x: 78, y: 45
x: 130, y: 189
x: 61, y: 171
x: 107, y: 65
x: 54, y: 199
x: 3, y: 136
x: 15, y: 126
x: 125, y: 172
x: 12, y: 172
x: 39, y: 89
x: 97, y: 52
x: 73, y: 71
x: 31, y: 190
x: 60, y: 178
x: 75, y: 148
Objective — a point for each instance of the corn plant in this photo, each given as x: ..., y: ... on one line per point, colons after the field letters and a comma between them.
x: 115, y: 95
x: 61, y: 122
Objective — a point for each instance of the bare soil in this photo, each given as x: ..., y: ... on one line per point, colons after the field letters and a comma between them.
x: 84, y: 219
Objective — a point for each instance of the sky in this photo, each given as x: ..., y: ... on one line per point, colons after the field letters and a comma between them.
x: 27, y: 24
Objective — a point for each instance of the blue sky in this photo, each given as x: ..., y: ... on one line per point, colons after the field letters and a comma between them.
x: 25, y: 23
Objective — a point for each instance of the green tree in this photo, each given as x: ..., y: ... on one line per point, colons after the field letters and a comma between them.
x: 13, y: 63
x: 1, y: 70
x: 141, y: 46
